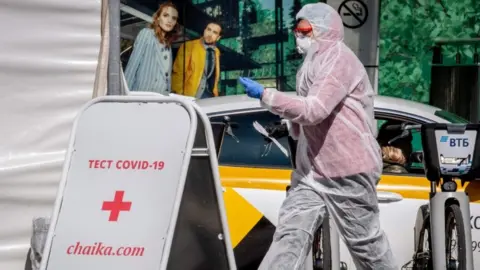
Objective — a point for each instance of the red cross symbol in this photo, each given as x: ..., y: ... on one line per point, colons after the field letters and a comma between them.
x: 116, y: 206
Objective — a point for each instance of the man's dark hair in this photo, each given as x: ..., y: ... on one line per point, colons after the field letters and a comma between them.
x: 217, y: 23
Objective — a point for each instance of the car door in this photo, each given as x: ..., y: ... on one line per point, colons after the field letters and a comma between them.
x: 255, y: 184
x: 400, y: 194
x: 254, y: 180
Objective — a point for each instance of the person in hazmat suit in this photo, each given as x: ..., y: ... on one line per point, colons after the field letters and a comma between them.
x: 338, y: 160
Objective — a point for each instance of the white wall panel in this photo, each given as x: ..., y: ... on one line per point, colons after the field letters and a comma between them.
x: 48, y: 58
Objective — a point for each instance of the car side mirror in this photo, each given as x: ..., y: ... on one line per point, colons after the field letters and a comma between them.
x: 230, y: 126
x: 416, y: 157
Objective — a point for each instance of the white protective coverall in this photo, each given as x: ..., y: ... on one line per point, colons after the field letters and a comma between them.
x: 338, y: 162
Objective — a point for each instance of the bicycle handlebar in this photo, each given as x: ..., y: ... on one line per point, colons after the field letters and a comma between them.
x: 394, y: 127
x: 403, y: 127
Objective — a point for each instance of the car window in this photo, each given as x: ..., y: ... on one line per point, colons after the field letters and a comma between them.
x: 450, y: 117
x: 218, y: 130
x: 408, y: 145
x: 247, y: 147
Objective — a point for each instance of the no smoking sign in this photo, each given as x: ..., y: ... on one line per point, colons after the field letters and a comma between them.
x: 354, y: 13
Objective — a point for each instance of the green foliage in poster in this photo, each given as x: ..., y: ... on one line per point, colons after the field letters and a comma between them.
x: 257, y: 21
x: 408, y: 29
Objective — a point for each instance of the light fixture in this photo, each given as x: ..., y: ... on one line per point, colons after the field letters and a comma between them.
x: 450, y: 186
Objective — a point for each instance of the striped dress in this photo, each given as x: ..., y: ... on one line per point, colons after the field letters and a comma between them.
x: 150, y: 65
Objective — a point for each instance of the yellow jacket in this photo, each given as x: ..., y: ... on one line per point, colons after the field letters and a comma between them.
x: 194, y: 64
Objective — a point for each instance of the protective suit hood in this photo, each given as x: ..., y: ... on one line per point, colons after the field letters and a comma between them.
x: 326, y: 23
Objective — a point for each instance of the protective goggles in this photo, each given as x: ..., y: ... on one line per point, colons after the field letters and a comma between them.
x: 302, y: 31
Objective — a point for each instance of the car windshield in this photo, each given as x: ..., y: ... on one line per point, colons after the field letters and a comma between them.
x: 451, y: 117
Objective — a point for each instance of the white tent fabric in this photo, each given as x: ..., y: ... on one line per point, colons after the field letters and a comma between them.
x: 49, y: 50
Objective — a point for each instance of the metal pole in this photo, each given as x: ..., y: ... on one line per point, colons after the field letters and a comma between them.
x: 277, y: 53
x: 334, y: 244
x: 377, y: 58
x: 114, y: 78
x: 184, y: 70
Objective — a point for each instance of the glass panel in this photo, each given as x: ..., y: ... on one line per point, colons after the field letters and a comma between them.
x: 255, y: 40
x: 148, y: 31
x: 397, y: 153
x: 451, y: 117
x: 248, y: 147
x: 415, y: 140
x: 218, y: 130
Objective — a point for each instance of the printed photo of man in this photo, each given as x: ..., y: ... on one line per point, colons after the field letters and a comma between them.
x: 196, y: 70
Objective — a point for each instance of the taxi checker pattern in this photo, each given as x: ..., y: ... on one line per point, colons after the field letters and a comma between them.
x: 252, y: 203
x: 250, y: 230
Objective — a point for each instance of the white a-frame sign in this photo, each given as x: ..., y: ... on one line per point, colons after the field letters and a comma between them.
x: 140, y: 190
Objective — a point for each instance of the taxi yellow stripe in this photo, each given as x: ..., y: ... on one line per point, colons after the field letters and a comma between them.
x: 241, y: 215
x: 409, y: 186
x: 241, y: 177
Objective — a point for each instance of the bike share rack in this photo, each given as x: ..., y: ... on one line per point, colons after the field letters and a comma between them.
x: 450, y: 151
x: 333, y: 262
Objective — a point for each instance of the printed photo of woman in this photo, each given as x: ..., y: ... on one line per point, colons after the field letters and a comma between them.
x: 150, y: 65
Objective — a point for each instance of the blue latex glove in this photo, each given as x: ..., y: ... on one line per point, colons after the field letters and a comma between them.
x: 253, y: 89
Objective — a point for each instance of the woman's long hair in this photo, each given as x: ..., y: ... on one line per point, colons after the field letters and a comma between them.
x: 393, y: 154
x: 169, y: 37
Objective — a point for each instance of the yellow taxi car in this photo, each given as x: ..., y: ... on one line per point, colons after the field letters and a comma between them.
x: 255, y: 177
